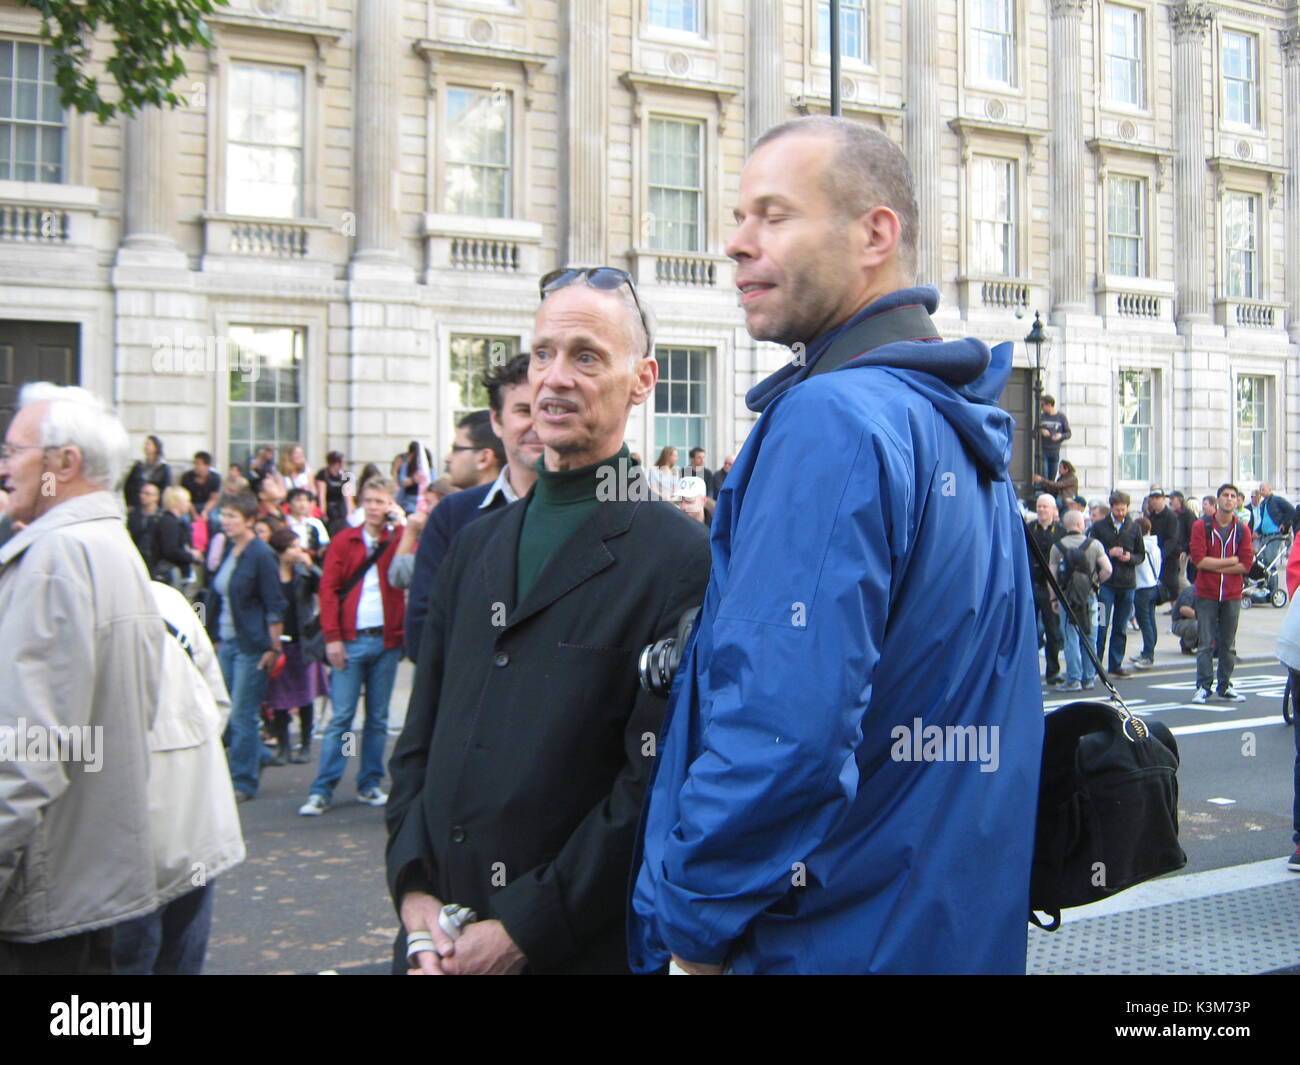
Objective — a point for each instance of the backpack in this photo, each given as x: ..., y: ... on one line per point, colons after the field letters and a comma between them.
x: 1074, y: 575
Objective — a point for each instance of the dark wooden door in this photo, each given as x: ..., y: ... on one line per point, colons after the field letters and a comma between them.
x: 1017, y: 400
x: 35, y: 351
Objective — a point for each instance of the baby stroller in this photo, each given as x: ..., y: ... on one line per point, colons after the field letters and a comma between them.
x: 1265, y: 583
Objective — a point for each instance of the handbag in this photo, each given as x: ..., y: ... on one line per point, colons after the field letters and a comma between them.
x: 1107, y: 797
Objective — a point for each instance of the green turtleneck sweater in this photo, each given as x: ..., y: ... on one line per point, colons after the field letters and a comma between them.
x: 559, y: 504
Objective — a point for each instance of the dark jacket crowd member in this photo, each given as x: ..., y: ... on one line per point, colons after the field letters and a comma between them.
x: 1122, y: 539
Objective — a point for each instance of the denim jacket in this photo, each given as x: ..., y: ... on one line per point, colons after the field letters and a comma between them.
x: 256, y: 601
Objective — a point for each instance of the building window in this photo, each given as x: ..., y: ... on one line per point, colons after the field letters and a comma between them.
x: 1136, y: 425
x: 31, y: 117
x: 1240, y: 78
x: 1252, y: 428
x: 676, y: 15
x: 478, y: 153
x: 1126, y: 226
x: 993, y: 40
x: 470, y: 358
x: 676, y: 184
x: 682, y: 400
x: 1123, y: 33
x: 993, y: 212
x: 853, y: 30
x: 264, y: 151
x: 265, y: 388
x: 1241, y: 245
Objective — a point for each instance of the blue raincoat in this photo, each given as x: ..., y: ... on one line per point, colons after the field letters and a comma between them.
x: 847, y: 777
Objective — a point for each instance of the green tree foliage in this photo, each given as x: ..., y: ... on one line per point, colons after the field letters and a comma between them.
x: 149, y: 35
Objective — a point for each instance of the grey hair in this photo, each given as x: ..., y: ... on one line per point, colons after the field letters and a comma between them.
x: 869, y: 170
x: 1073, y: 520
x: 77, y: 417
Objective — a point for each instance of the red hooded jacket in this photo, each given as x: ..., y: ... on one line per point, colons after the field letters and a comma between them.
x: 1222, y: 543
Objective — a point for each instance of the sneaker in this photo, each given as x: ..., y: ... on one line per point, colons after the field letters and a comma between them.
x: 1202, y: 695
x: 1294, y: 863
x: 1121, y: 672
x: 242, y: 796
x: 372, y: 797
x: 1232, y: 695
x: 1090, y: 686
x: 1142, y: 663
x: 1068, y: 686
x: 314, y: 806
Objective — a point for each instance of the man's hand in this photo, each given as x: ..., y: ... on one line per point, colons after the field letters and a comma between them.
x: 268, y: 659
x: 419, y: 912
x: 485, y: 949
x: 697, y: 968
x: 1039, y: 479
x: 337, y: 654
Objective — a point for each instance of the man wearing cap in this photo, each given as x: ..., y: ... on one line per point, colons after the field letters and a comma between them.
x: 690, y: 498
x: 1164, y: 526
x: 519, y: 776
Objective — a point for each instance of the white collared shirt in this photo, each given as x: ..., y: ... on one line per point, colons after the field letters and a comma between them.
x: 502, y: 485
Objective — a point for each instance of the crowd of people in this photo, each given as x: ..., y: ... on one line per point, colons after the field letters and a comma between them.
x: 775, y: 814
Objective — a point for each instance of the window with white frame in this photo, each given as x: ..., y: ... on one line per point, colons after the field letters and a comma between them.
x: 1137, y: 428
x: 471, y: 356
x: 854, y: 30
x: 265, y: 396
x: 993, y: 215
x: 993, y: 40
x: 675, y: 15
x: 676, y: 186
x: 1123, y: 33
x: 32, y: 126
x: 1252, y: 427
x: 682, y: 399
x: 264, y: 142
x: 1126, y: 226
x: 477, y: 174
x: 1240, y: 62
x: 1241, y: 245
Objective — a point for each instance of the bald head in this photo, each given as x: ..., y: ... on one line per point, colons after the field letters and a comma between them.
x: 1073, y: 521
x: 1046, y: 508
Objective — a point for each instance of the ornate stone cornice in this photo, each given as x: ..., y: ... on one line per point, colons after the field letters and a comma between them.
x: 1070, y: 8
x: 1291, y: 45
x: 1191, y: 20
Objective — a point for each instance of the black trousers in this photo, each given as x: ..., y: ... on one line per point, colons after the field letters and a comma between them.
x: 87, y: 953
x: 1051, y: 629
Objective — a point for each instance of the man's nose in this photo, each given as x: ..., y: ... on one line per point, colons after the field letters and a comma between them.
x: 740, y: 246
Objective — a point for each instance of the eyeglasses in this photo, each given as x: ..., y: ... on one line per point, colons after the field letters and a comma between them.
x: 605, y: 278
x: 463, y: 447
x: 8, y: 451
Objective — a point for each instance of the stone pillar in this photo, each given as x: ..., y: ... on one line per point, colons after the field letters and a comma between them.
x: 1291, y: 109
x: 765, y: 104
x: 1069, y: 276
x: 1190, y: 23
x: 150, y: 186
x: 921, y: 131
x: 376, y: 147
x: 586, y: 116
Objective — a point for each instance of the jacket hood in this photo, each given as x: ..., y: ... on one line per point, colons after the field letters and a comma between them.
x: 962, y: 378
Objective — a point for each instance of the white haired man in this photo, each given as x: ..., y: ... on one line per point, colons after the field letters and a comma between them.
x: 82, y: 638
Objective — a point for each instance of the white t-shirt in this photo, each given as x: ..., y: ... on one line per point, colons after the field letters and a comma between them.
x: 370, y: 608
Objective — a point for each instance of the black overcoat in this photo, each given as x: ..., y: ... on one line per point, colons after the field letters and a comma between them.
x: 519, y: 776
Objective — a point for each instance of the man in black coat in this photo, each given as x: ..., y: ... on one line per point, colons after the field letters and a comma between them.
x: 1046, y: 531
x: 1164, y: 525
x: 1122, y: 539
x: 518, y: 780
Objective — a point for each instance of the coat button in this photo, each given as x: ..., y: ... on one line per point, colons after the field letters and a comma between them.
x: 458, y: 835
x: 501, y: 659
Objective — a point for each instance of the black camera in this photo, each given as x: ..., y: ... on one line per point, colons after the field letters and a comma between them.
x: 659, y: 661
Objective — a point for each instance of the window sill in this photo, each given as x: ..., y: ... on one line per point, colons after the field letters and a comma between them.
x: 1240, y: 312
x: 988, y: 293
x: 230, y: 241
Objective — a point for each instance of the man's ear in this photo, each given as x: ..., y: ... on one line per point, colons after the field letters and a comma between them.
x: 878, y: 231
x: 646, y: 377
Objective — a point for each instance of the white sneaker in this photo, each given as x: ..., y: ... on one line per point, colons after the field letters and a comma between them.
x: 314, y: 806
x: 372, y: 797
x: 1202, y: 695
x: 1232, y: 695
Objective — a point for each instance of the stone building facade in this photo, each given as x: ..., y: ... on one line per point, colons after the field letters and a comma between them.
x: 349, y: 218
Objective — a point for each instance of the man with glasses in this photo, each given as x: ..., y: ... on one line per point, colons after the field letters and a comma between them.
x: 518, y: 778
x: 81, y: 637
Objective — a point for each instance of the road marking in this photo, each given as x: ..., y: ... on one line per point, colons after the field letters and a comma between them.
x: 1227, y: 726
x: 1223, y: 802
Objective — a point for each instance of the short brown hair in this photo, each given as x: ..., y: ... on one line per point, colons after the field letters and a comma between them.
x: 1119, y: 497
x: 380, y: 484
x: 243, y: 503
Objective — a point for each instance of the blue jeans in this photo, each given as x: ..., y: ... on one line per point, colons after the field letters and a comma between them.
x: 1078, y: 666
x: 247, y: 686
x: 1051, y: 461
x: 369, y: 663
x: 1116, y: 606
x: 171, y: 941
x: 1146, y: 615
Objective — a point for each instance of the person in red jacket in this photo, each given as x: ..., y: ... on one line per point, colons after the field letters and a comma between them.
x: 361, y: 617
x: 1222, y: 553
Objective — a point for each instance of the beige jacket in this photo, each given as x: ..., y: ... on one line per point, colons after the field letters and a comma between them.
x: 196, y: 832
x: 81, y: 641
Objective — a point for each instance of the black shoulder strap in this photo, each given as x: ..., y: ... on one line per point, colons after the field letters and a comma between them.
x: 180, y: 638
x: 357, y: 577
x: 912, y: 322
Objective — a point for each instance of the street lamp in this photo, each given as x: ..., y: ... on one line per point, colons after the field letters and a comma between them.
x: 1035, y: 340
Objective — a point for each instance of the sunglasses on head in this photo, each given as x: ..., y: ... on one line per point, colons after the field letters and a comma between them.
x: 605, y: 278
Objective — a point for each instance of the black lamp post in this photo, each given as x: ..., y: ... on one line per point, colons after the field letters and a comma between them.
x: 835, y: 57
x: 1035, y: 340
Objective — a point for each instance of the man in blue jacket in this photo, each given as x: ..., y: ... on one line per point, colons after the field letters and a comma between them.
x: 847, y: 777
